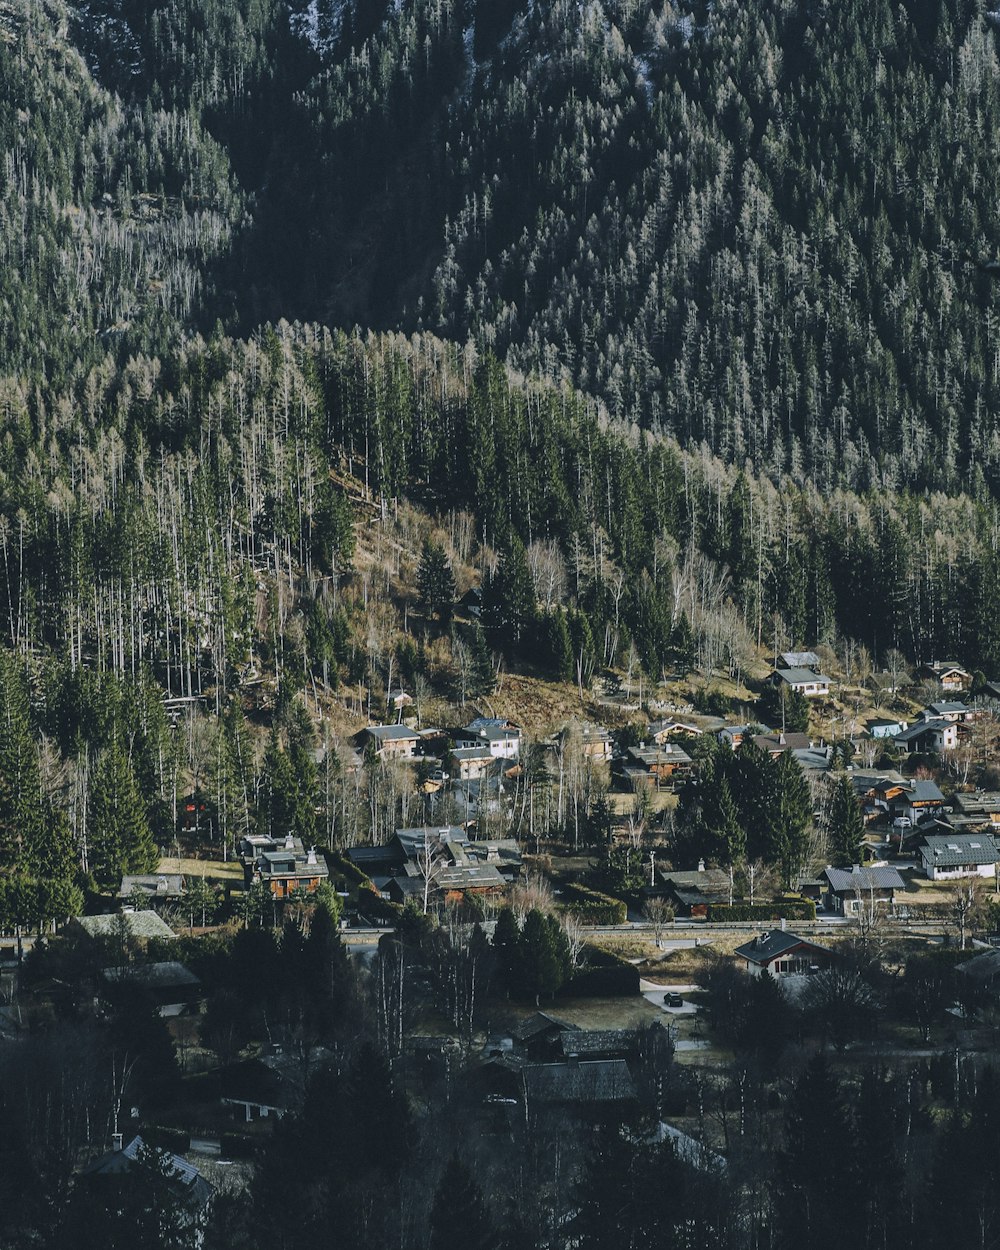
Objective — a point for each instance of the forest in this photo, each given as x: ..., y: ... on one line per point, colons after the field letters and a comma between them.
x: 666, y: 328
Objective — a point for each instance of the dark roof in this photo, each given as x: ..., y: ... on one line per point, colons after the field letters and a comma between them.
x: 798, y: 659
x: 139, y: 924
x: 921, y: 728
x: 878, y: 878
x: 164, y: 885
x: 805, y: 676
x: 770, y: 946
x: 959, y: 850
x: 388, y: 733
x: 943, y: 709
x: 539, y: 1022
x: 599, y: 1041
x: 924, y: 792
x: 983, y: 968
x: 783, y: 742
x: 595, y: 1081
x: 187, y: 1179
x: 163, y: 975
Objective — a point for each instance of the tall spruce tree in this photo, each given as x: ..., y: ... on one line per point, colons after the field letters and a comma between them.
x: 436, y: 581
x: 460, y: 1216
x: 119, y: 837
x: 847, y: 825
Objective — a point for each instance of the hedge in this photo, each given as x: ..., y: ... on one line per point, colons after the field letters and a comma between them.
x: 604, y: 975
x: 592, y: 907
x: 372, y: 906
x: 352, y: 874
x: 804, y: 909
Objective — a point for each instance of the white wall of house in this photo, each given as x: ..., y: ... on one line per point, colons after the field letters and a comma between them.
x: 936, y: 873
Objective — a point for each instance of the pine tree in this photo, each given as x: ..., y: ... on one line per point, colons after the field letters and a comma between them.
x: 22, y: 816
x: 790, y: 818
x: 120, y: 840
x: 541, y: 972
x: 435, y: 581
x: 506, y: 945
x: 847, y: 825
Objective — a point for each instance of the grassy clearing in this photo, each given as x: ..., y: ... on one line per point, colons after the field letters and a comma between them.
x: 213, y: 869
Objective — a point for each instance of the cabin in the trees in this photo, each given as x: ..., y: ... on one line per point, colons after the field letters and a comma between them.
x: 782, y: 954
x: 732, y: 735
x: 153, y: 889
x: 136, y: 926
x: 778, y: 743
x: 393, y: 741
x: 928, y: 737
x: 283, y: 865
x: 183, y: 1180
x: 693, y: 893
x: 397, y: 700
x: 652, y: 768
x: 802, y: 680
x: 661, y: 731
x: 850, y: 889
x: 982, y: 806
x: 947, y: 673
x: 172, y: 988
x: 947, y: 857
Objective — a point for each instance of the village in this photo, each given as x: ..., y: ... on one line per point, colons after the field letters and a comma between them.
x: 540, y: 956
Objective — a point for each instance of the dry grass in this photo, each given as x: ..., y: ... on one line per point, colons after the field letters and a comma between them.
x: 213, y: 869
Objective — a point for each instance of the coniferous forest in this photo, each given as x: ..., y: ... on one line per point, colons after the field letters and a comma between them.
x: 669, y: 329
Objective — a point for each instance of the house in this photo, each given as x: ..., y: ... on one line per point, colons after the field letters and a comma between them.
x: 798, y: 659
x: 982, y: 971
x: 928, y: 736
x: 502, y: 737
x: 692, y: 893
x: 138, y: 926
x: 172, y: 988
x: 596, y: 742
x: 185, y: 1181
x: 653, y: 767
x: 732, y: 735
x: 814, y: 761
x: 271, y: 1084
x: 803, y: 680
x: 886, y: 727
x: 781, y: 954
x: 398, y: 699
x: 848, y: 889
x: 946, y: 857
x: 472, y: 602
x: 660, y: 731
x: 539, y: 1036
x: 193, y: 815
x: 947, y: 673
x: 983, y: 806
x: 154, y: 890
x: 581, y: 1084
x: 470, y: 763
x: 778, y: 743
x: 458, y: 864
x: 955, y: 711
x: 283, y: 865
x: 599, y: 1043
x: 916, y: 801
x: 393, y: 741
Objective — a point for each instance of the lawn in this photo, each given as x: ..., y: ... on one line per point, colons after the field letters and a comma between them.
x: 213, y: 869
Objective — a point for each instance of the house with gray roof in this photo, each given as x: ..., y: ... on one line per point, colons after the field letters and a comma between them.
x: 850, y: 889
x: 582, y: 1084
x: 803, y: 680
x: 927, y: 736
x: 140, y: 926
x: 395, y: 741
x: 798, y: 659
x: 781, y: 953
x: 946, y: 857
x: 185, y: 1181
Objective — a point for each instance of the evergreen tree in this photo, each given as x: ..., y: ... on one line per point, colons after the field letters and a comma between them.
x: 847, y: 825
x: 542, y: 971
x: 790, y: 818
x: 119, y: 838
x: 506, y: 945
x: 435, y: 581
x: 459, y: 1215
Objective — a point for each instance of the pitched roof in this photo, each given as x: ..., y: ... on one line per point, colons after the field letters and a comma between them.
x: 806, y: 676
x: 924, y: 792
x: 390, y: 733
x: 598, y: 1041
x: 944, y: 709
x: 769, y: 946
x: 186, y: 1177
x: 539, y: 1022
x: 139, y: 924
x: 799, y: 659
x: 959, y: 850
x: 782, y: 742
x: 166, y: 885
x: 594, y: 1081
x: 877, y: 878
x: 168, y: 973
x: 920, y: 728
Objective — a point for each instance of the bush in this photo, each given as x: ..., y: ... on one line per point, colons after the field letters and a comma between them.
x: 372, y: 906
x: 237, y: 1146
x: 592, y: 906
x: 783, y: 909
x: 604, y: 975
x: 174, y: 1140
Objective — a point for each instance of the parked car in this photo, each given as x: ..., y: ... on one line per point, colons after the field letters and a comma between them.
x: 671, y: 999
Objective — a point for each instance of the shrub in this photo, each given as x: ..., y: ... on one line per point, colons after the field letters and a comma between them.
x: 173, y: 1139
x: 592, y: 906
x: 785, y: 909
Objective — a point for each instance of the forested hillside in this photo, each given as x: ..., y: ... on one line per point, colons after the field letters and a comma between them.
x: 762, y: 227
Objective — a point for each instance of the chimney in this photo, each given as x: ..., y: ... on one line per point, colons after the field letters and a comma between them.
x: 116, y: 1141
x: 784, y: 922
x: 701, y: 865
x: 311, y: 857
x: 573, y: 1061
x: 289, y: 842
